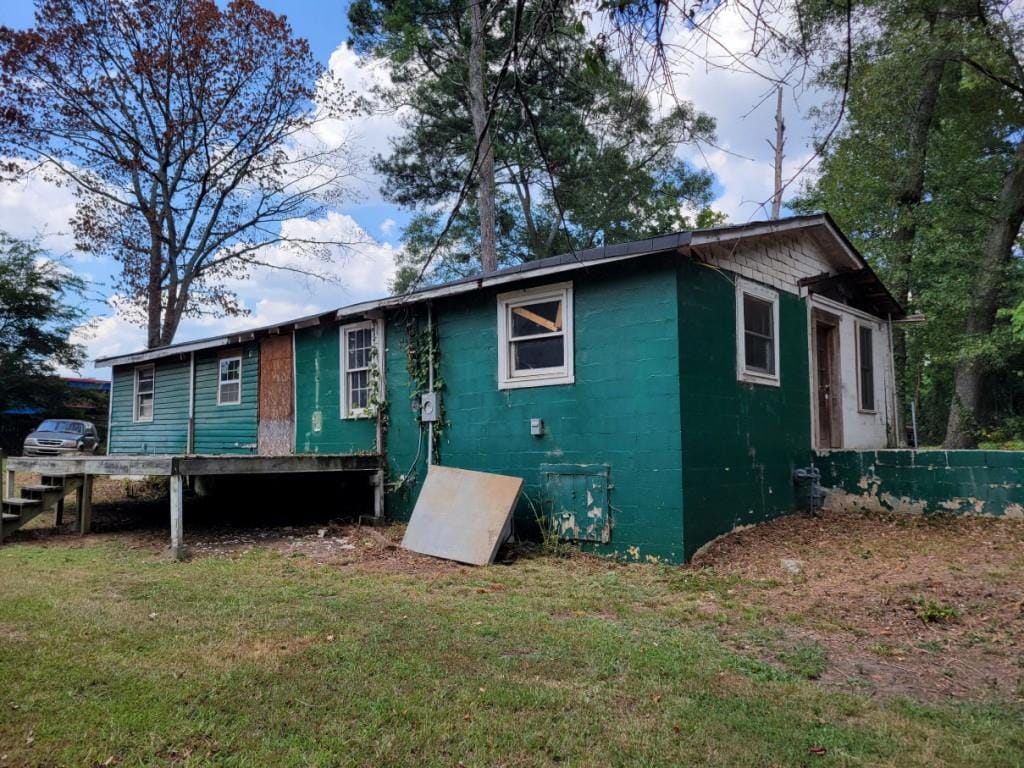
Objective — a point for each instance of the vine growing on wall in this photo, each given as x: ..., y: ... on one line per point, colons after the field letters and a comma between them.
x: 421, y: 346
x: 377, y: 402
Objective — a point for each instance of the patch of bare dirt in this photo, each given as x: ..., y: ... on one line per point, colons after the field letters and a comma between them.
x: 927, y: 607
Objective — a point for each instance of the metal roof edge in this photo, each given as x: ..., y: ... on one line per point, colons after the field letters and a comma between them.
x: 567, y: 262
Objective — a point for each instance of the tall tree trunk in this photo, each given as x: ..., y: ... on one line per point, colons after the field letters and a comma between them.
x: 961, y: 429
x: 485, y: 153
x: 154, y: 293
x: 909, y: 193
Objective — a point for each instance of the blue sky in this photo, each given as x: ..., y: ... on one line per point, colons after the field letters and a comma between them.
x: 740, y: 160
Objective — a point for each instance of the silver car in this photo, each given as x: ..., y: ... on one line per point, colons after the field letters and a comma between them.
x: 60, y: 437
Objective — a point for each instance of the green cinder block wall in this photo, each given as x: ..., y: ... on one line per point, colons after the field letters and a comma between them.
x: 901, y: 480
x: 167, y: 433
x: 319, y: 427
x: 226, y: 429
x: 740, y: 442
x: 623, y: 410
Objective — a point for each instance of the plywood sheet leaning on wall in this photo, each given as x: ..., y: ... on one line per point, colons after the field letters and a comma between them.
x: 462, y: 515
x: 277, y: 420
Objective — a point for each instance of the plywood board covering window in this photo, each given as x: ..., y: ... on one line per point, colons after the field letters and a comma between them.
x: 757, y: 333
x: 535, y: 337
x: 145, y: 391
x: 865, y: 368
x: 229, y: 381
x: 358, y: 342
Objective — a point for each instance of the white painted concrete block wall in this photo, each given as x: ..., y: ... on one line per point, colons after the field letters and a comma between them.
x: 780, y: 264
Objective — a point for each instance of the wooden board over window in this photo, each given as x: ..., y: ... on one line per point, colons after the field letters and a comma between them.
x: 277, y: 397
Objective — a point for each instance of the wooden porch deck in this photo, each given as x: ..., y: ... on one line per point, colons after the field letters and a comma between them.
x: 193, y: 464
x: 80, y: 469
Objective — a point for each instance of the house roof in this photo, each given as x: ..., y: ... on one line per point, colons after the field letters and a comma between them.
x: 867, y: 286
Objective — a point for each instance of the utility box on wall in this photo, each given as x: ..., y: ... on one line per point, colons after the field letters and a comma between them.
x: 576, y: 500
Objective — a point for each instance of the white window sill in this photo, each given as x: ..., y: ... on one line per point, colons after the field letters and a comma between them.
x: 750, y: 377
x: 356, y: 415
x: 539, y: 381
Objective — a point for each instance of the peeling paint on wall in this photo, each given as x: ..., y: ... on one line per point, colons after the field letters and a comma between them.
x: 953, y: 482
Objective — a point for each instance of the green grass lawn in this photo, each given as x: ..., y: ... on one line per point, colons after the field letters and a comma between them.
x: 111, y: 657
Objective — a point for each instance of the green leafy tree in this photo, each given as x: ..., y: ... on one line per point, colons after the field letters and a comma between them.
x: 38, y: 310
x: 927, y: 175
x: 580, y: 157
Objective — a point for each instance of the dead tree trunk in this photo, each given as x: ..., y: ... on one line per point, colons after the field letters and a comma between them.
x: 485, y: 154
x: 961, y: 429
x: 780, y: 141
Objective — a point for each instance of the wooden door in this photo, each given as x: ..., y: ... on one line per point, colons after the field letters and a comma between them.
x: 828, y: 392
x: 277, y: 397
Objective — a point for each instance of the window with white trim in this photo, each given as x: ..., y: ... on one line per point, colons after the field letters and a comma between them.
x: 865, y: 368
x: 535, y: 337
x: 757, y: 333
x: 357, y: 357
x: 145, y: 389
x: 229, y: 381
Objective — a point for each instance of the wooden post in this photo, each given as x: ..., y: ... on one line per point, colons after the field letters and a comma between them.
x: 85, y: 506
x: 9, y: 484
x: 378, y: 494
x: 177, y: 551
x: 58, y: 519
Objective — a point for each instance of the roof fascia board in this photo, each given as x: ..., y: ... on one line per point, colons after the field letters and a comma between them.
x: 484, y: 282
x: 156, y: 354
x: 763, y: 229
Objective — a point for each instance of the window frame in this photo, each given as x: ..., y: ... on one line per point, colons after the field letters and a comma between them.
x: 220, y: 379
x: 858, y: 327
x: 542, y: 377
x: 136, y: 417
x: 344, y: 370
x: 743, y: 373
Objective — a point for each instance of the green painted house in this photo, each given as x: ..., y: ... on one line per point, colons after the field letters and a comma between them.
x: 653, y: 395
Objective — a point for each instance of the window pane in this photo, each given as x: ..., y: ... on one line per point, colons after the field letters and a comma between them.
x: 230, y: 370
x: 230, y: 392
x: 760, y: 353
x: 757, y: 315
x: 867, y: 370
x: 538, y: 353
x: 534, y: 319
x: 358, y: 389
x: 145, y: 380
x: 145, y: 406
x: 359, y: 342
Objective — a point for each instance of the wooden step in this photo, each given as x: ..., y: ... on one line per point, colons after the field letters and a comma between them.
x: 21, y: 502
x: 39, y: 491
x: 10, y: 517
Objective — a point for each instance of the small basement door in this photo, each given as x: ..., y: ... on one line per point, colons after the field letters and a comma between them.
x: 277, y: 397
x: 577, y: 497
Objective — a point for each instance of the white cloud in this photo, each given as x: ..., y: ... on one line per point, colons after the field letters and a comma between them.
x: 387, y: 227
x: 34, y: 207
x: 743, y: 104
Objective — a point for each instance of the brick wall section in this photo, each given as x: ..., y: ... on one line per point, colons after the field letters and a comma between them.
x: 780, y: 262
x: 623, y: 409
x: 964, y: 482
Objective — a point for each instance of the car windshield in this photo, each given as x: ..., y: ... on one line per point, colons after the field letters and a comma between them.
x: 53, y: 425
